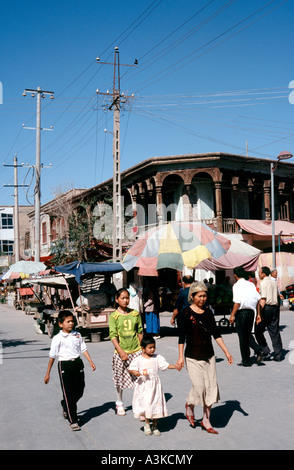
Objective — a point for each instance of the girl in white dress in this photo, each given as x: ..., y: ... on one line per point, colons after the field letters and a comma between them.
x: 148, y: 399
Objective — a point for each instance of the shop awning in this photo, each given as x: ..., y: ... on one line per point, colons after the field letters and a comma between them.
x: 287, y: 239
x: 80, y: 268
x: 264, y: 227
x: 58, y: 281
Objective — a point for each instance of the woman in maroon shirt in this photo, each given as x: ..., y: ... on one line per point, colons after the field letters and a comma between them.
x: 196, y: 329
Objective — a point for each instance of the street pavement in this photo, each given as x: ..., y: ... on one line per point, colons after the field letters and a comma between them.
x: 255, y: 412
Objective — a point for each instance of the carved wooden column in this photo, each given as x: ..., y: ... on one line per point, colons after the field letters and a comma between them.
x: 135, y: 214
x: 218, y: 205
x: 267, y: 199
x: 187, y: 206
x: 158, y: 192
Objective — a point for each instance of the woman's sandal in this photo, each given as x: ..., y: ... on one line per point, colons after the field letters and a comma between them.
x: 190, y: 418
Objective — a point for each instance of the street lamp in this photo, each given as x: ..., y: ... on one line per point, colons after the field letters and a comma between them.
x: 282, y: 156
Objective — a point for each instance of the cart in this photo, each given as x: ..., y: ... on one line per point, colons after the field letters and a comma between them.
x: 91, y: 319
x: 220, y: 298
x: 45, y: 315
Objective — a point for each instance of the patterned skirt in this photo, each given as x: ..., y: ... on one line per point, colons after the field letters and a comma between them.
x: 121, y: 376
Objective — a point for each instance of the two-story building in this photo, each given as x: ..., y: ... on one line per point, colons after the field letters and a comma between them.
x: 217, y: 188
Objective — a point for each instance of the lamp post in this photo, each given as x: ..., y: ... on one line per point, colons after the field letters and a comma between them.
x: 282, y: 156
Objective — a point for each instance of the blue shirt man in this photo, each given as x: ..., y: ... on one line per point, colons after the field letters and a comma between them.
x: 183, y: 298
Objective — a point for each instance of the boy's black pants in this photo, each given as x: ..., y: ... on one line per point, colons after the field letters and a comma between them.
x: 72, y: 380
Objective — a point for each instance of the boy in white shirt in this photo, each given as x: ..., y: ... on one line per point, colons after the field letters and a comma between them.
x: 67, y: 346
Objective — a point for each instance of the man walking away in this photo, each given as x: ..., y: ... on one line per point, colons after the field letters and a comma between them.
x: 245, y: 298
x: 268, y: 315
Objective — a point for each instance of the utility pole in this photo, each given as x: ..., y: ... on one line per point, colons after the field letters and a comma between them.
x: 16, y: 211
x: 37, y: 192
x: 118, y: 99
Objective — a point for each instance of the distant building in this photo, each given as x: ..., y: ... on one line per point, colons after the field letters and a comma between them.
x: 7, y: 233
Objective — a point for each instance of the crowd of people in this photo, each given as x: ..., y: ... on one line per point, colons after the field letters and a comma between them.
x: 136, y: 365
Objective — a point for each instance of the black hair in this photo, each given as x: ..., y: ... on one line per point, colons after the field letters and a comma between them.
x: 240, y: 272
x: 147, y: 339
x: 188, y: 279
x: 120, y: 291
x: 266, y: 270
x: 63, y: 314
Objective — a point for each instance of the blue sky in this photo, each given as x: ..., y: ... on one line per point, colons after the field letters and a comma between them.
x: 211, y: 77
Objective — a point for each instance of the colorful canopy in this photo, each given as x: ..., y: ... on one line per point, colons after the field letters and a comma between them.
x: 174, y: 245
x: 240, y: 253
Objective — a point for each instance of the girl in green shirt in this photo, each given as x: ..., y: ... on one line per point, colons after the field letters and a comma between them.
x: 125, y: 332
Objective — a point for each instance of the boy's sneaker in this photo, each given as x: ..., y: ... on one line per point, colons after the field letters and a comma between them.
x: 156, y: 432
x: 75, y: 427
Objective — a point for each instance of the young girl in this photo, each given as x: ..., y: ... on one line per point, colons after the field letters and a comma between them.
x: 148, y: 399
x: 125, y: 332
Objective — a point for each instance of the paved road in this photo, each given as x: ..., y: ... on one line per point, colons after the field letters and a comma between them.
x: 256, y: 410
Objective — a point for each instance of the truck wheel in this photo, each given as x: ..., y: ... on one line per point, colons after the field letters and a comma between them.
x: 224, y: 323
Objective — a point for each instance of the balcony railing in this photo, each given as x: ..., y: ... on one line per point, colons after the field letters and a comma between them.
x: 229, y: 226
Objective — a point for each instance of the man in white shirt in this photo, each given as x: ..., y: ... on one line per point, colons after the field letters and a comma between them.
x: 269, y: 315
x: 245, y: 298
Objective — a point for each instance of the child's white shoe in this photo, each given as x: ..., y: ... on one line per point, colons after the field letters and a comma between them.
x: 147, y: 430
x: 156, y: 432
x: 120, y: 411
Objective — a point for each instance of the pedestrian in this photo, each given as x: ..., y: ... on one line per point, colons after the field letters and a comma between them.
x: 245, y: 300
x: 136, y: 298
x: 109, y: 289
x: 274, y: 276
x: 268, y: 316
x: 196, y: 330
x: 182, y: 301
x: 125, y: 332
x: 148, y: 400
x: 151, y: 309
x: 67, y: 346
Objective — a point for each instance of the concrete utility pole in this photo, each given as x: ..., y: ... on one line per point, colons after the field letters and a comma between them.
x: 117, y: 100
x: 40, y: 94
x: 16, y: 211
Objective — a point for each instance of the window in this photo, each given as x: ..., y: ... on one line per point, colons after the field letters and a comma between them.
x: 44, y: 233
x: 27, y: 241
x: 6, y: 221
x: 53, y: 230
x: 6, y: 247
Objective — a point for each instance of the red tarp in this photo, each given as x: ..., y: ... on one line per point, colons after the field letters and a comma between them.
x: 264, y: 227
